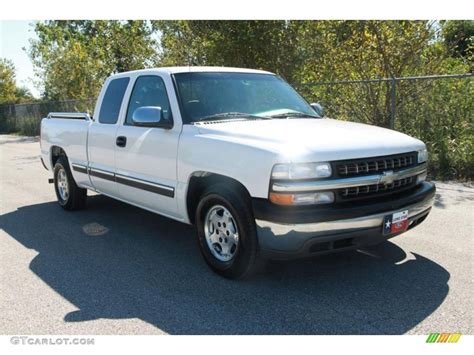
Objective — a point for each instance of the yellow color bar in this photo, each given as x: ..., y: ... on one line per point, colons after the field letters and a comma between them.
x: 454, y: 338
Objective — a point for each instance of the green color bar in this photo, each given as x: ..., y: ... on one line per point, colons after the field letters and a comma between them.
x: 432, y: 337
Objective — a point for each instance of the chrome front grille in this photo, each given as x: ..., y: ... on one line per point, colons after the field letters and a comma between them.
x: 362, y: 179
x: 376, y: 189
x: 375, y: 165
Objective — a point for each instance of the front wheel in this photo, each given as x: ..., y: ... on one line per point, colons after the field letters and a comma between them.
x: 226, y: 232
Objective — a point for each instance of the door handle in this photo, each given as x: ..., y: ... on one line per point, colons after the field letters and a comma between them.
x: 121, y: 141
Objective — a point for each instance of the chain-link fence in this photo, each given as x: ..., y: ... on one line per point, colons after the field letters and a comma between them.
x: 26, y: 118
x: 383, y: 97
x: 437, y: 109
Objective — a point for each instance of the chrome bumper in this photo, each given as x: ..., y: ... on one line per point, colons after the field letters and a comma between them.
x: 290, y: 238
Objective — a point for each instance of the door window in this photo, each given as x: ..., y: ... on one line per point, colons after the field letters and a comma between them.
x: 148, y: 91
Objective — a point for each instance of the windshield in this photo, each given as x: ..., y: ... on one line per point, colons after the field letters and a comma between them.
x: 221, y: 95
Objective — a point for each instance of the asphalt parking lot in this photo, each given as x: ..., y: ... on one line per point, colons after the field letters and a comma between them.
x: 115, y: 269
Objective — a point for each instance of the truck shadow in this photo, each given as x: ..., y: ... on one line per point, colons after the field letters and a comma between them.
x: 116, y: 261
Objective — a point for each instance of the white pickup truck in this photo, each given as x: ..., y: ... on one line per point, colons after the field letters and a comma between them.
x: 242, y: 156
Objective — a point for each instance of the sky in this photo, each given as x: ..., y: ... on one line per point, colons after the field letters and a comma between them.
x: 14, y: 36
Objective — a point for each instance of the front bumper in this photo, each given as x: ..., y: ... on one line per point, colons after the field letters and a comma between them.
x: 338, y: 228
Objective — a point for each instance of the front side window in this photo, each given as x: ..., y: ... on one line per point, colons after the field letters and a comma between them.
x: 112, y: 100
x: 149, y: 90
x: 218, y: 95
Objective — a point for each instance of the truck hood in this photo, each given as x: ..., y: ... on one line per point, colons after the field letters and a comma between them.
x: 299, y: 140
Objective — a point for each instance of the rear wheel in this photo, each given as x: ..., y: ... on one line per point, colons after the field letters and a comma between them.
x: 226, y: 232
x: 70, y: 196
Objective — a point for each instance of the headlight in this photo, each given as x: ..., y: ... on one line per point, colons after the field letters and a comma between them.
x: 301, y: 171
x: 300, y: 199
x: 422, y: 156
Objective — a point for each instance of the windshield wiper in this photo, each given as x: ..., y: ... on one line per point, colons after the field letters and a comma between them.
x: 231, y: 115
x: 293, y: 114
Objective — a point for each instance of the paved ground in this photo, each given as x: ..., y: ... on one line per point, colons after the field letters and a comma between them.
x: 115, y: 269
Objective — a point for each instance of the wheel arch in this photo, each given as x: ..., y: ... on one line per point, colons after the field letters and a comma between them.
x: 55, y: 152
x: 199, y: 181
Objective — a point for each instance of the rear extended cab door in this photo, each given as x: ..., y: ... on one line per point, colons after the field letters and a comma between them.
x: 146, y: 164
x: 102, y: 135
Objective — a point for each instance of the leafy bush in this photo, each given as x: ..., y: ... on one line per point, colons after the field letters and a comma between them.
x: 439, y: 112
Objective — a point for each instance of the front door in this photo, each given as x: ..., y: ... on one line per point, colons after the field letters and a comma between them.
x: 146, y: 163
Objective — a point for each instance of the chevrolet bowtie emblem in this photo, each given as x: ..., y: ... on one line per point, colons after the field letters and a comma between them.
x: 388, y: 177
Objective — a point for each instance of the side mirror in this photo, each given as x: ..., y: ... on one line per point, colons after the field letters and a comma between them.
x: 318, y: 109
x: 150, y: 116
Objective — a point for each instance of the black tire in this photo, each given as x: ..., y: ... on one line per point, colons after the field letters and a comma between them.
x: 245, y: 261
x: 76, y: 198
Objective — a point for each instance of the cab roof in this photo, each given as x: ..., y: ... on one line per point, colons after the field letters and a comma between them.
x: 191, y: 69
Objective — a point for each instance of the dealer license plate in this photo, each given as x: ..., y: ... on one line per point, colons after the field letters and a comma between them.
x: 395, y: 223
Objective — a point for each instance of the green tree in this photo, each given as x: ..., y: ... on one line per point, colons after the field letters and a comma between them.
x: 73, y: 58
x: 7, y: 82
x: 440, y: 112
x: 10, y: 93
x: 270, y: 45
x: 360, y: 50
x: 312, y: 51
x: 23, y: 95
x: 459, y: 38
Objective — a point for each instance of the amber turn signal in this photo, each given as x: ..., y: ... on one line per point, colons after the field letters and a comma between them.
x: 299, y: 199
x: 281, y: 199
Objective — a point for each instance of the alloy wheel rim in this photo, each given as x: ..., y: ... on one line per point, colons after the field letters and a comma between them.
x: 63, y: 186
x: 221, y: 233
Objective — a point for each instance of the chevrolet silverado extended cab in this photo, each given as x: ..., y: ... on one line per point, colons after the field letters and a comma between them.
x: 242, y: 156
